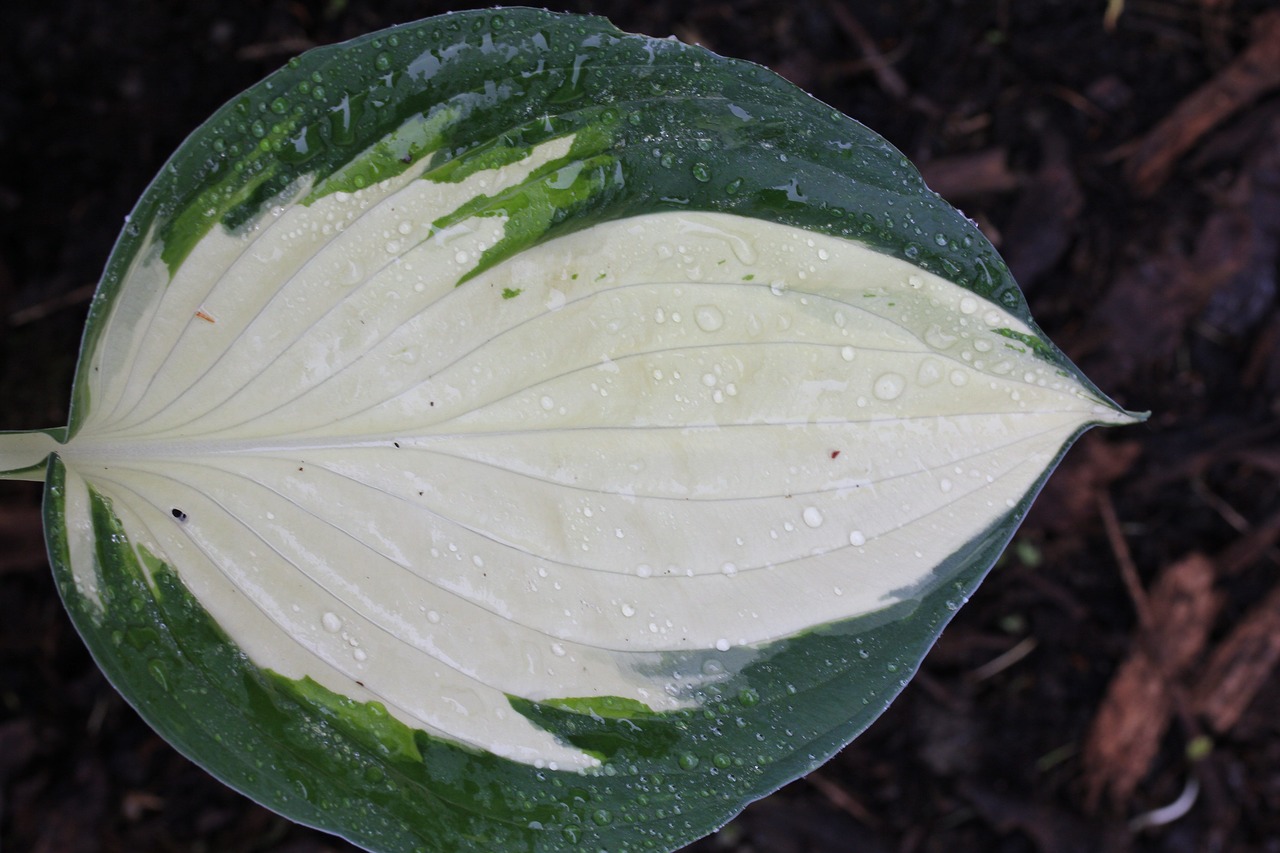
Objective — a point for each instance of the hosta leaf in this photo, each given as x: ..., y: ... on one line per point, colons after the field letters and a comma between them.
x: 504, y: 433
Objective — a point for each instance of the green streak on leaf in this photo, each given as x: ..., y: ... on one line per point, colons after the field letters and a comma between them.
x: 511, y: 292
x: 1037, y: 346
x: 608, y: 707
x: 610, y: 727
x: 394, y: 739
x: 547, y: 198
x: 391, y: 155
x: 215, y: 204
x: 494, y: 154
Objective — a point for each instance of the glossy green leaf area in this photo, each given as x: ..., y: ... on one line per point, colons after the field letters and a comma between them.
x: 326, y: 761
x: 611, y: 127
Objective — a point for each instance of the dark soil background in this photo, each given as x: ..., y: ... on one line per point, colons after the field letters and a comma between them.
x: 1125, y: 157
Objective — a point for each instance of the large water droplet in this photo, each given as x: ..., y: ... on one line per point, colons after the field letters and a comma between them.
x: 889, y: 386
x: 708, y: 317
x: 935, y: 337
x: 930, y: 372
x: 813, y: 516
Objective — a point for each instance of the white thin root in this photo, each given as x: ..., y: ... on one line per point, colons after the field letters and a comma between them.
x: 1168, y: 814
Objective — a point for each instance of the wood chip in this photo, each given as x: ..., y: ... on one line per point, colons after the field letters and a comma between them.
x: 1240, y: 666
x: 1254, y: 72
x: 1135, y: 712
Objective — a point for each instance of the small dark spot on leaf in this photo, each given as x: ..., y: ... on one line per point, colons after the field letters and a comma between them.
x: 396, y: 443
x: 835, y: 453
x: 511, y: 292
x: 178, y: 514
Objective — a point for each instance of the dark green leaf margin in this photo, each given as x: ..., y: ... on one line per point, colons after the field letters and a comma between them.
x: 659, y: 126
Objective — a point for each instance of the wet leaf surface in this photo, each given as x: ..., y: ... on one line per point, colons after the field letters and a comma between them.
x: 1168, y: 300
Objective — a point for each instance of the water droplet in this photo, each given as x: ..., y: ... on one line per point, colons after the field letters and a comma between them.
x: 968, y: 305
x: 748, y: 698
x: 857, y: 538
x: 157, y: 670
x: 688, y: 761
x: 433, y: 617
x: 889, y: 386
x: 547, y: 403
x: 959, y: 377
x: 847, y: 353
x: 628, y: 610
x: 644, y: 570
x: 382, y: 62
x: 602, y: 817
x: 722, y: 645
x: 701, y: 172
x: 945, y: 484
x: 722, y: 761
x: 935, y: 337
x: 930, y: 372
x: 813, y: 516
x: 729, y: 569
x: 708, y: 318
x: 360, y: 655
x: 331, y: 623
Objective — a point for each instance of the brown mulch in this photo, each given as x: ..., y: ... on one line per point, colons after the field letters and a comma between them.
x: 1121, y: 658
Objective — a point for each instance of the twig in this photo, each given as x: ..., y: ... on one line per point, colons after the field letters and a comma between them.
x: 999, y: 664
x: 842, y: 799
x: 1124, y: 559
x: 40, y: 310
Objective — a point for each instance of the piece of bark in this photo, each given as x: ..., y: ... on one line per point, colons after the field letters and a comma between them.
x: 966, y: 176
x: 1240, y: 666
x: 1135, y: 712
x: 1255, y: 72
